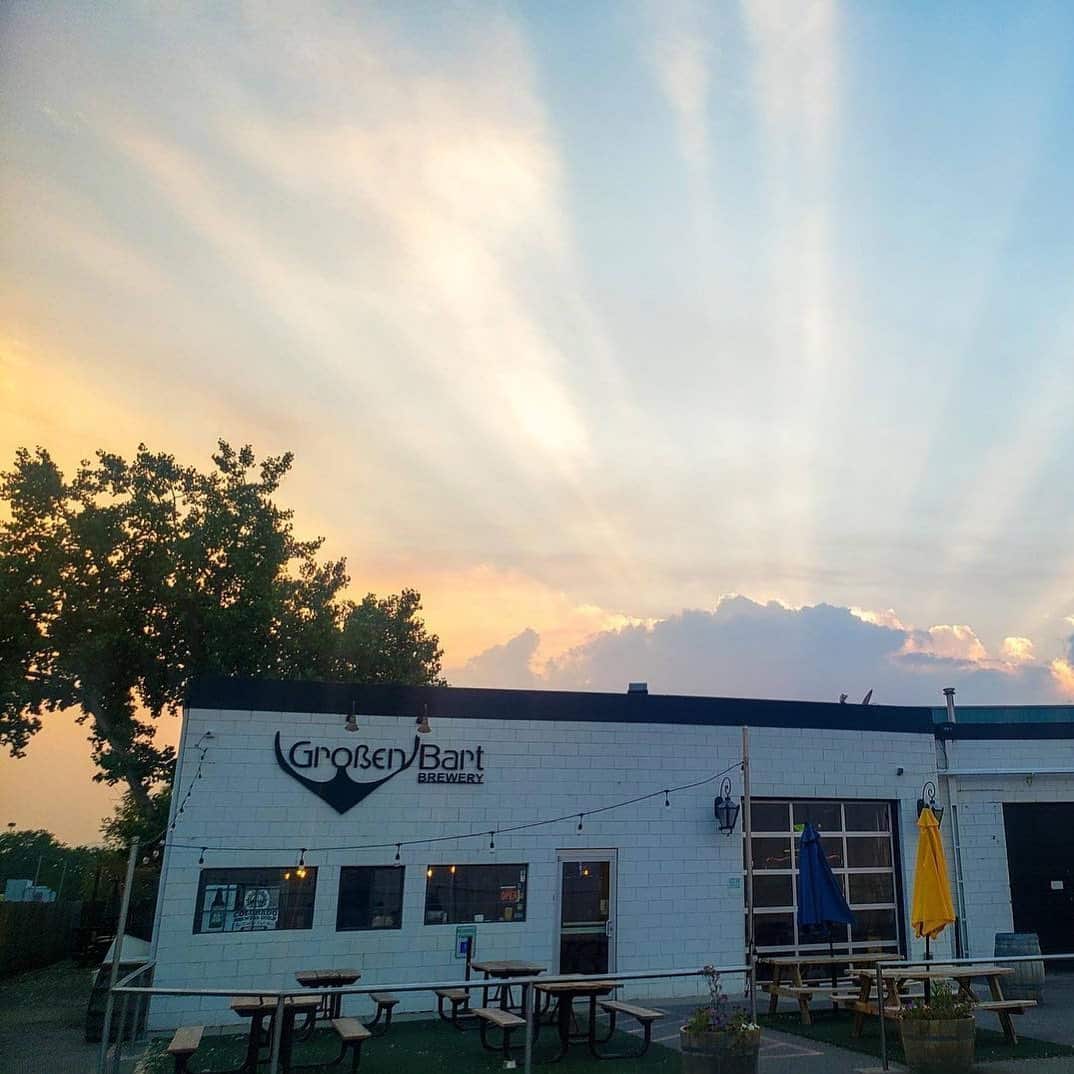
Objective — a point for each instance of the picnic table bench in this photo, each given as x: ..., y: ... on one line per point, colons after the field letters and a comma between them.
x: 842, y: 990
x: 897, y: 979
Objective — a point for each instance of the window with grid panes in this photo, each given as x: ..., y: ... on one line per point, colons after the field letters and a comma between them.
x: 859, y: 844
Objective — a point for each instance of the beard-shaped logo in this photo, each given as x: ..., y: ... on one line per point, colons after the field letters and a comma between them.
x: 341, y: 792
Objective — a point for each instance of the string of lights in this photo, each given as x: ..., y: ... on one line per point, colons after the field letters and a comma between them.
x: 154, y: 845
x: 427, y: 840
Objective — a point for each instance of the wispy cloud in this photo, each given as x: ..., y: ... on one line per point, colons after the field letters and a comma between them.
x: 681, y: 52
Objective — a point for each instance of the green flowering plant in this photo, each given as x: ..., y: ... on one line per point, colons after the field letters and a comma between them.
x: 718, y: 1016
x: 943, y: 1006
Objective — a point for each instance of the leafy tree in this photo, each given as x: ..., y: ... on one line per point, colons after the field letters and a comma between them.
x: 120, y: 584
x: 129, y: 822
x: 384, y: 641
x: 29, y: 853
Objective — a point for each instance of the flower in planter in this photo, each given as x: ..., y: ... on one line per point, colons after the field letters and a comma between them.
x: 718, y: 1016
x: 944, y: 1006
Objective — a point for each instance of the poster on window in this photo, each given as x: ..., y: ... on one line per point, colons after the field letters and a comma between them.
x: 258, y: 909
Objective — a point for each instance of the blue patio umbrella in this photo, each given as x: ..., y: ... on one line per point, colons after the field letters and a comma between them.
x: 820, y: 901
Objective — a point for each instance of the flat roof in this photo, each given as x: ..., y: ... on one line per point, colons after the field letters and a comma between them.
x: 274, y: 695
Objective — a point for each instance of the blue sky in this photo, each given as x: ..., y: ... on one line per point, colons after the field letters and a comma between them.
x: 581, y: 315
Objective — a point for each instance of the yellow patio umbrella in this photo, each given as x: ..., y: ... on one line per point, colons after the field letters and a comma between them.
x: 931, y: 910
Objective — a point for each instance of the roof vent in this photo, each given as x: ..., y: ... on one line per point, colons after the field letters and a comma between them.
x: 637, y: 688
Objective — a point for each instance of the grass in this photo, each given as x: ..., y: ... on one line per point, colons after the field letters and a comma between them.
x: 835, y: 1030
x: 427, y: 1047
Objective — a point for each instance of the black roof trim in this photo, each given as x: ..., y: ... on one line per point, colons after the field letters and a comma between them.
x: 272, y: 695
x: 984, y: 731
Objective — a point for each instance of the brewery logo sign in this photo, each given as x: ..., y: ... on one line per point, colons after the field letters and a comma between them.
x: 358, y: 770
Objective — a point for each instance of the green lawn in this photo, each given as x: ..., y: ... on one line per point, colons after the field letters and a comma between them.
x: 426, y: 1047
x: 829, y: 1029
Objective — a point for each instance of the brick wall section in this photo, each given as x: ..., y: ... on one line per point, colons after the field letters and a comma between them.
x: 677, y: 902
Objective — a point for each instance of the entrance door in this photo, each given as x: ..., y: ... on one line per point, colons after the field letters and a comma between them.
x: 1040, y: 861
x: 587, y: 911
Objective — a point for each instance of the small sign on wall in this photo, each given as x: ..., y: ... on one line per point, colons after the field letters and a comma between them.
x: 1057, y: 885
x: 464, y: 940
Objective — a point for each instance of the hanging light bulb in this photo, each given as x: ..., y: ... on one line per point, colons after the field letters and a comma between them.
x: 201, y: 857
x: 667, y: 798
x: 352, y: 719
x: 492, y: 840
x: 580, y: 815
x: 453, y: 870
x: 397, y: 846
x: 287, y: 875
x: 429, y: 872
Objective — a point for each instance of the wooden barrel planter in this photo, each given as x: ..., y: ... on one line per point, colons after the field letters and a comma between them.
x: 1027, y: 981
x: 720, y: 1053
x: 938, y: 1047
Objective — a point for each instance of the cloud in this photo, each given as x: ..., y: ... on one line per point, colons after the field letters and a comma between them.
x: 743, y: 648
x: 508, y: 666
x: 953, y: 642
x: 1018, y: 650
x: 680, y: 61
x: 1063, y: 674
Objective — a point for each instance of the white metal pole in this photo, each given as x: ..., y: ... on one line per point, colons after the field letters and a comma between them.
x: 747, y: 831
x: 117, y: 952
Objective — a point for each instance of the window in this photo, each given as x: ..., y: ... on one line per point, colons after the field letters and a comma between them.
x: 859, y: 845
x: 255, y: 900
x: 370, y: 897
x: 465, y: 893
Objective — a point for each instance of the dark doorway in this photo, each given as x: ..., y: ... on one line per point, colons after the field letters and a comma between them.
x: 587, y: 915
x: 1040, y: 861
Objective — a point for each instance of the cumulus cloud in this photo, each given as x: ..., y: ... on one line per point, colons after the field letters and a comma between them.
x: 749, y: 649
x: 952, y: 641
x: 1018, y: 650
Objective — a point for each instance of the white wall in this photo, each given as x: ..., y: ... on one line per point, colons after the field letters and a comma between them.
x: 677, y: 906
x: 980, y: 821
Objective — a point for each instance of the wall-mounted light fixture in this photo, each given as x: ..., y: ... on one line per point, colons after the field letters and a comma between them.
x: 726, y: 809
x: 928, y: 801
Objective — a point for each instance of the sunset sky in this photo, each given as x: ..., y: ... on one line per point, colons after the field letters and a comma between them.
x: 728, y: 346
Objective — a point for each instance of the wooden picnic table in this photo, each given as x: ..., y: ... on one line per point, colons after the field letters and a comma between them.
x: 330, y: 1006
x: 565, y: 993
x: 504, y: 970
x: 897, y: 978
x: 797, y: 988
x: 257, y: 1009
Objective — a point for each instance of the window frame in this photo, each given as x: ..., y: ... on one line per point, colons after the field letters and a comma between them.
x: 454, y: 868
x: 399, y: 870
x: 232, y: 877
x: 845, y: 941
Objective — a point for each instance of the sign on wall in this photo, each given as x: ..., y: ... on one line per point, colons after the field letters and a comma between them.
x: 358, y: 770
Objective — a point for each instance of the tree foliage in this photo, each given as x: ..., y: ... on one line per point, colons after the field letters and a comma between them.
x: 29, y: 853
x: 120, y: 584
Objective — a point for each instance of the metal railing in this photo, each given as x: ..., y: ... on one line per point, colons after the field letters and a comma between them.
x: 143, y: 994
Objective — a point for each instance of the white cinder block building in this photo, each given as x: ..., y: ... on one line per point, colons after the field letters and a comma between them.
x: 318, y: 825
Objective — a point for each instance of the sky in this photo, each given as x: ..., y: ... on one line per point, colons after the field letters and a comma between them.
x: 727, y: 346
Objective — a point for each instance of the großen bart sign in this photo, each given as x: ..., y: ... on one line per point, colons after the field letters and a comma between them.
x: 306, y: 761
